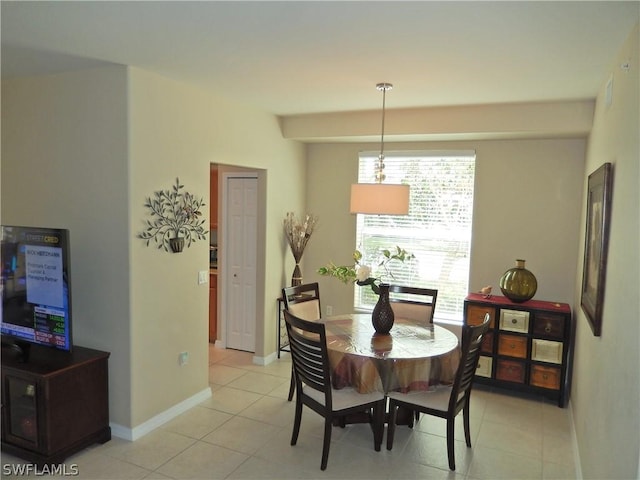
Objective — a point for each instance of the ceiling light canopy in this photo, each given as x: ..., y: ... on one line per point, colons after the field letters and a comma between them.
x: 380, y: 198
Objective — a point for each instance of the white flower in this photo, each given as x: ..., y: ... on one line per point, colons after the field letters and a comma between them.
x: 363, y: 273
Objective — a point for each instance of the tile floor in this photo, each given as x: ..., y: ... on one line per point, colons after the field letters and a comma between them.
x: 243, y: 432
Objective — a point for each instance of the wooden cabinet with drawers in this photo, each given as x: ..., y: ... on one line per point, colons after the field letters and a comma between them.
x: 528, y: 347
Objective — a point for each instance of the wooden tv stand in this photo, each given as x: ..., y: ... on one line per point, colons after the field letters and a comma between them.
x: 55, y: 404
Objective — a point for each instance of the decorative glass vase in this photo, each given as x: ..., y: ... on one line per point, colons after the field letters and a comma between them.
x: 518, y: 284
x: 382, y: 316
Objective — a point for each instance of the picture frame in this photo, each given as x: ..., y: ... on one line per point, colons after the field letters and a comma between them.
x: 599, y: 194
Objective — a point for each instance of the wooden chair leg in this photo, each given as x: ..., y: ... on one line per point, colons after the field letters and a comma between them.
x: 292, y: 387
x: 328, y: 423
x: 465, y: 419
x: 378, y: 425
x: 296, y: 422
x: 451, y: 423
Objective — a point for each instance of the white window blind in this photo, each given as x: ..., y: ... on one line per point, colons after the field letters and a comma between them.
x: 437, y: 230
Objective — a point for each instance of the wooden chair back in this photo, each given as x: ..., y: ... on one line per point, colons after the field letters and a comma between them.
x: 472, y: 336
x: 303, y: 301
x: 413, y: 303
x: 308, y: 342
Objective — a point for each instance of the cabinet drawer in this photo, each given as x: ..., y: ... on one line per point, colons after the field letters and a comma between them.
x: 546, y: 351
x: 514, y: 321
x: 546, y: 377
x: 510, y: 371
x: 487, y: 343
x: 548, y: 324
x: 476, y: 313
x: 512, y: 346
x: 484, y: 366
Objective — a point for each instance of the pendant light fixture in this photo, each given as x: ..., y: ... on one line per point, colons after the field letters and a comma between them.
x: 380, y: 198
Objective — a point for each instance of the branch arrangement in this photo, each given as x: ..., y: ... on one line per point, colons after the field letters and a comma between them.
x: 298, y: 232
x: 361, y: 274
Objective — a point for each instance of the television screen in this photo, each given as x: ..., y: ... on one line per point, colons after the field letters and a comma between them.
x: 36, y: 290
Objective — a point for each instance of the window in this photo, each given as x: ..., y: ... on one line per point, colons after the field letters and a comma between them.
x: 437, y: 230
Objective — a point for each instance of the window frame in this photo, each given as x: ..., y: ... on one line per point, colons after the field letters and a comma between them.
x: 364, y: 299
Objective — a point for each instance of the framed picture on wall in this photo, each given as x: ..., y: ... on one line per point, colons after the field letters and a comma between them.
x: 596, y: 245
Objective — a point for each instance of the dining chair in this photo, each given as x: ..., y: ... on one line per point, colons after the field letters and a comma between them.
x: 308, y: 342
x: 304, y: 302
x: 413, y: 303
x: 446, y: 402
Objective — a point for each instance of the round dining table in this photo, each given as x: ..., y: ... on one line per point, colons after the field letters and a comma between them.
x: 412, y: 356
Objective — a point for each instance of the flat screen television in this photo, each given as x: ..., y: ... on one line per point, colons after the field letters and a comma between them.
x: 36, y: 288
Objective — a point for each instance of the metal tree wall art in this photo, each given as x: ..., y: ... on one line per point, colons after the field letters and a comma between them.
x: 175, y: 219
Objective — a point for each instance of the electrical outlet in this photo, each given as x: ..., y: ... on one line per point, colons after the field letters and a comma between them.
x: 329, y: 309
x: 183, y: 358
x: 203, y: 277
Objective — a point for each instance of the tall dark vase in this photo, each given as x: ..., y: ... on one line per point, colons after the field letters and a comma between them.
x: 382, y: 316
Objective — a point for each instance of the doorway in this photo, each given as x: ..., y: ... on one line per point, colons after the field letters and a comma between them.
x: 241, y: 246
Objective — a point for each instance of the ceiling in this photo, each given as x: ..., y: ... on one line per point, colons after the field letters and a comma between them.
x: 297, y: 57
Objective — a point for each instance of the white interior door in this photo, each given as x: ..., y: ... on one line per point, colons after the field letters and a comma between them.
x: 241, y: 274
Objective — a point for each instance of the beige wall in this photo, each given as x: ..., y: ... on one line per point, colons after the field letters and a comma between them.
x: 64, y: 164
x: 606, y: 392
x: 527, y: 205
x: 169, y: 137
x: 178, y: 130
x: 83, y: 150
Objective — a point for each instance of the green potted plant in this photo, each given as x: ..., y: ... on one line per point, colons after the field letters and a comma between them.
x: 382, y: 316
x: 361, y: 274
x: 175, y: 219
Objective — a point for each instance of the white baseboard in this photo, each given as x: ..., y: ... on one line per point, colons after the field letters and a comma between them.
x: 574, y: 443
x: 272, y: 357
x: 141, y: 430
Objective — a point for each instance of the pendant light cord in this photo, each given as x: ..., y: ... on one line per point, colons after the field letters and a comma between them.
x: 380, y: 176
x: 384, y: 94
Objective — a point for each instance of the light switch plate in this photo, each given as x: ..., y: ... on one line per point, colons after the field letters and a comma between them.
x: 202, y: 277
x: 183, y: 358
x: 608, y: 92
